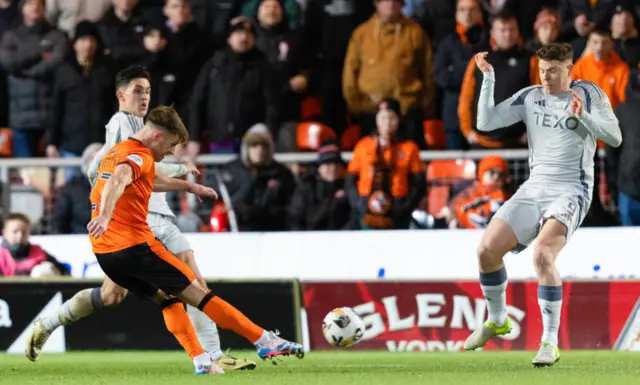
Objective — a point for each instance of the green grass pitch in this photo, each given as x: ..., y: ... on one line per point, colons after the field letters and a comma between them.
x: 322, y: 368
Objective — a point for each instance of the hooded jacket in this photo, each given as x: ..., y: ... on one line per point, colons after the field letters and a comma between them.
x: 259, y: 194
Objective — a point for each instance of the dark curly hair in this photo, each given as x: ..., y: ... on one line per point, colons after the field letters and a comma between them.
x: 555, y: 51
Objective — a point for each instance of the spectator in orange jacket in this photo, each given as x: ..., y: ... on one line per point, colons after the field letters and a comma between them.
x: 517, y: 68
x: 389, y: 56
x: 603, y: 67
x: 386, y: 179
x: 474, y: 206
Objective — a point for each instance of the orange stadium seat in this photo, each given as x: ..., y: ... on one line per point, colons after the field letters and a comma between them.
x: 441, y: 175
x: 350, y: 138
x: 6, y: 143
x: 434, y: 134
x: 310, y: 109
x: 311, y: 134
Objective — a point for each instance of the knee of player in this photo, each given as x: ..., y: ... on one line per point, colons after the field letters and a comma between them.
x: 488, y: 253
x: 544, y: 256
x: 112, y: 298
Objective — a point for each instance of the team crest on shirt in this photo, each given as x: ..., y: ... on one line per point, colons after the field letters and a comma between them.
x: 135, y: 159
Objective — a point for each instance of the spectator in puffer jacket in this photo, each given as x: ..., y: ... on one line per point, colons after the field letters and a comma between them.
x: 389, y: 56
x: 320, y: 201
x: 72, y: 210
x: 82, y: 98
x: 260, y: 187
x: 235, y: 90
x: 30, y: 54
x: 451, y: 62
x: 18, y: 256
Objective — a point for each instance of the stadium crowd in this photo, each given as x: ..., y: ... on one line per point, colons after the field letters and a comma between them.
x: 382, y: 78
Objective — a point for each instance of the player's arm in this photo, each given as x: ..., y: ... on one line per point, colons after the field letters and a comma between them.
x: 163, y: 183
x: 176, y: 170
x: 113, y: 189
x: 492, y: 117
x: 600, y: 119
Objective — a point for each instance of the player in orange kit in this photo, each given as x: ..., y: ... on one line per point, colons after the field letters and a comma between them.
x: 130, y: 255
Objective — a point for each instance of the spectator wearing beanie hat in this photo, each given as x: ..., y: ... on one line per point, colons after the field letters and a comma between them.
x: 30, y: 54
x: 235, y: 90
x: 547, y: 29
x: 320, y: 202
x: 82, y: 98
x: 475, y: 206
x: 386, y: 178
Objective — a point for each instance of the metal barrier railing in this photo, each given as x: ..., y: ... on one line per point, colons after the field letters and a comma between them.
x: 517, y: 159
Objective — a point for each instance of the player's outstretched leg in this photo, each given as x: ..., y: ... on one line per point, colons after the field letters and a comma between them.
x: 178, y: 323
x: 551, y: 240
x: 496, y: 241
x: 268, y: 344
x: 81, y: 305
x: 207, y: 330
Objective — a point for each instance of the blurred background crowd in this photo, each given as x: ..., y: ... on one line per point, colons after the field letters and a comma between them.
x: 386, y: 80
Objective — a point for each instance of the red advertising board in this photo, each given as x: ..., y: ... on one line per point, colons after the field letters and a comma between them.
x: 426, y: 316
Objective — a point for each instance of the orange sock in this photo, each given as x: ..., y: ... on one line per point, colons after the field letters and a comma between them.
x: 228, y: 317
x: 179, y: 324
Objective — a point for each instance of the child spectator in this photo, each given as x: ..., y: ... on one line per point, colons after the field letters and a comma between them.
x: 17, y: 255
x: 386, y: 178
x: 474, y: 206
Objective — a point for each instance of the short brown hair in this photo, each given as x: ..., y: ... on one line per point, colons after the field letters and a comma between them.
x: 167, y: 118
x: 504, y: 16
x: 16, y: 217
x: 555, y: 51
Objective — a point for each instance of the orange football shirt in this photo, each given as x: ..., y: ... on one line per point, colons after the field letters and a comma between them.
x: 128, y: 226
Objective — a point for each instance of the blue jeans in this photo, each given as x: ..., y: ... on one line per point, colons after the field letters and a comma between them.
x: 26, y: 143
x: 70, y: 172
x: 629, y: 210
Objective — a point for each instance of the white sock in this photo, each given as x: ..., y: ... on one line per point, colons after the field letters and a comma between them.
x: 550, y: 301
x: 265, y: 338
x: 207, y: 331
x: 494, y: 288
x: 84, y: 303
x: 201, y: 360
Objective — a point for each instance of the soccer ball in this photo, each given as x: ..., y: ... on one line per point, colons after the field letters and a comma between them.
x: 342, y: 327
